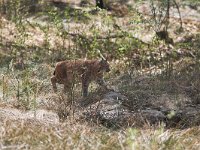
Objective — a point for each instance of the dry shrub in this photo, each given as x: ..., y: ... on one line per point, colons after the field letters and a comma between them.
x: 58, y: 103
x: 68, y: 135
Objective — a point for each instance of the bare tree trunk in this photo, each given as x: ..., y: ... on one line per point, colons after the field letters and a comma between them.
x: 100, y: 4
x: 33, y: 6
x: 181, y: 22
x: 167, y: 16
x: 3, y: 6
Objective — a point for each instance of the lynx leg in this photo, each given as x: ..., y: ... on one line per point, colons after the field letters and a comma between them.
x: 53, y: 82
x: 101, y: 82
x: 85, y: 85
x: 66, y: 88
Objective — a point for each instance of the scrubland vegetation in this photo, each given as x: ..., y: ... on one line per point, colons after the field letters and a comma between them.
x: 154, y: 53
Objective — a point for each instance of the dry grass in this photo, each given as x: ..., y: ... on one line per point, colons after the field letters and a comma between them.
x: 68, y: 135
x: 165, y: 139
x: 77, y: 132
x: 82, y: 135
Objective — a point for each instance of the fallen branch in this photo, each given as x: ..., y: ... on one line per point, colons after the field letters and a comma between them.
x: 114, y: 36
x: 124, y: 34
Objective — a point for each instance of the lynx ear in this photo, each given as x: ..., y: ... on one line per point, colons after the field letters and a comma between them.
x: 101, y: 55
x: 101, y: 60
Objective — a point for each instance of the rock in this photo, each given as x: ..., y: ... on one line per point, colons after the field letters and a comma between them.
x: 115, y: 96
x: 185, y: 117
x: 111, y: 111
x: 42, y: 116
x: 153, y: 116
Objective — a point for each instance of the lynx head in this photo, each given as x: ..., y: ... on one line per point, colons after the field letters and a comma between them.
x: 104, y: 65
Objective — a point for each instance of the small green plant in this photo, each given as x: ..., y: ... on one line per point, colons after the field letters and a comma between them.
x: 27, y: 91
x: 4, y: 87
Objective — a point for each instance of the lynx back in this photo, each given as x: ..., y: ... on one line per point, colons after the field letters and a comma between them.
x: 84, y: 71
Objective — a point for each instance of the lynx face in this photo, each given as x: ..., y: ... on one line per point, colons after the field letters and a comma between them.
x: 85, y: 71
x: 104, y: 65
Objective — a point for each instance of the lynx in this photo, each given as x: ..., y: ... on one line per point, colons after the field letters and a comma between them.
x: 82, y: 70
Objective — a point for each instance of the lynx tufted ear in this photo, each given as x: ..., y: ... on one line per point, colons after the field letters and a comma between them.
x: 102, y: 60
x: 101, y: 55
x: 105, y: 56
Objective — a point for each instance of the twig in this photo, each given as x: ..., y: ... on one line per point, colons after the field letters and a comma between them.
x: 106, y: 37
x: 180, y: 18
